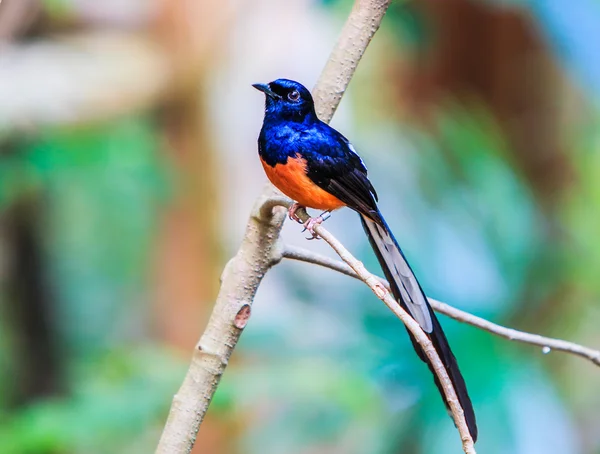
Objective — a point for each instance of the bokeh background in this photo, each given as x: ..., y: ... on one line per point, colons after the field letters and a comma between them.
x: 128, y: 169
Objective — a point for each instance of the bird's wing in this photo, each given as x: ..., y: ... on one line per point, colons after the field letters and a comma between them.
x: 334, y: 166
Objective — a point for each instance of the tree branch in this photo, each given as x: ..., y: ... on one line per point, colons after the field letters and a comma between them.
x: 362, y: 24
x: 239, y: 282
x: 259, y: 250
x: 547, y: 343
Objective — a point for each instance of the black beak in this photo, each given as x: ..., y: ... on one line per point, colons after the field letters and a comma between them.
x: 266, y: 90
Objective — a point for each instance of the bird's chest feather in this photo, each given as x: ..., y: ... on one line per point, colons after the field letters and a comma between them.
x: 282, y: 154
x: 291, y: 179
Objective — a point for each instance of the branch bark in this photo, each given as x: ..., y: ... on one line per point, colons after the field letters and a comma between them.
x: 240, y: 280
x: 547, y: 343
x: 258, y: 252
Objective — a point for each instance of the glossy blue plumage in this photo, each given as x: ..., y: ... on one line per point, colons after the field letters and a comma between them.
x: 293, y: 128
x: 287, y: 127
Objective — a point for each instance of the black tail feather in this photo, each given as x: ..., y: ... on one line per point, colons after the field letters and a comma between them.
x: 437, y: 336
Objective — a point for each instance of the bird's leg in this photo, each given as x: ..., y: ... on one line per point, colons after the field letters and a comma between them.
x: 292, y: 212
x: 325, y: 215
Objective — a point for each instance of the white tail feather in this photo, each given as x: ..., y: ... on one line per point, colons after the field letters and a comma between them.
x: 405, y: 279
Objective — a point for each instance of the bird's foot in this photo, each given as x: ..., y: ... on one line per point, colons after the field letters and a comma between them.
x: 311, y: 223
x: 310, y: 226
x: 292, y: 212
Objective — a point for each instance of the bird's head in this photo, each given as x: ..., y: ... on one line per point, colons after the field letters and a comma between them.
x: 287, y: 100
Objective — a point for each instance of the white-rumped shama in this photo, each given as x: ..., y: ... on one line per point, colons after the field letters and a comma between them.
x: 316, y: 166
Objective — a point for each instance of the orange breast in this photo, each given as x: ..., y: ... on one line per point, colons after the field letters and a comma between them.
x: 291, y: 179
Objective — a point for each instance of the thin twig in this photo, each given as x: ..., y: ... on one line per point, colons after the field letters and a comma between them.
x: 384, y: 295
x: 304, y: 255
x: 547, y: 343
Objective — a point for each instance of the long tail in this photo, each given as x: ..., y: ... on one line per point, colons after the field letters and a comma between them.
x: 407, y: 291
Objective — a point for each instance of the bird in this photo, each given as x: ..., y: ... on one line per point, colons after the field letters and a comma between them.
x: 318, y: 168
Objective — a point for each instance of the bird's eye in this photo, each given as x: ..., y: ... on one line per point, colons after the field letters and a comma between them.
x: 294, y: 95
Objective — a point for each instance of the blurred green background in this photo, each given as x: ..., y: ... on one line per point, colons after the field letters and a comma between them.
x: 128, y: 169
